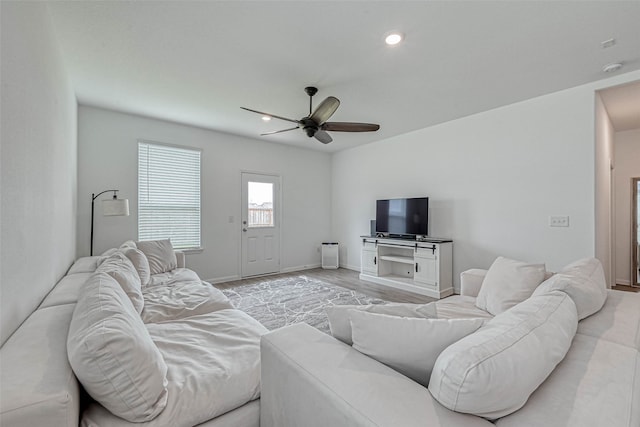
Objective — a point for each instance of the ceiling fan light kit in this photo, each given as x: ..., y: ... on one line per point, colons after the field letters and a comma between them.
x: 316, y: 124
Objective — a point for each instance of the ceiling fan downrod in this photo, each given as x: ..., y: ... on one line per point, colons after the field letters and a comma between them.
x: 310, y: 90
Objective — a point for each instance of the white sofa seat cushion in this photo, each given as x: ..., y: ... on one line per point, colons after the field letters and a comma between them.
x: 583, y: 281
x: 340, y: 320
x: 112, y: 353
x: 38, y: 385
x: 84, y: 265
x: 507, y: 283
x: 122, y: 270
x: 459, y: 307
x: 66, y: 290
x: 160, y: 255
x: 214, y: 367
x: 181, y: 300
x: 408, y: 345
x: 618, y: 321
x: 597, y: 384
x: 492, y: 372
x: 177, y: 275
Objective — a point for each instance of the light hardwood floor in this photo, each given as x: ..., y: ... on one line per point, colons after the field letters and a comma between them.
x: 340, y: 277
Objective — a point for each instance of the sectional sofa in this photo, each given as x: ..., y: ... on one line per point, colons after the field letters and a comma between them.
x: 132, y: 337
x: 563, y: 353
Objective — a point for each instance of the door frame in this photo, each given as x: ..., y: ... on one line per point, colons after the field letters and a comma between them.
x: 277, y: 219
x: 634, y: 232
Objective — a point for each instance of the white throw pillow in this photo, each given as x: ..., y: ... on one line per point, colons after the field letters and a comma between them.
x: 340, y: 321
x: 492, y: 372
x: 128, y: 244
x: 160, y: 255
x: 507, y: 283
x: 120, y: 268
x: 408, y: 345
x: 112, y: 354
x: 140, y: 263
x: 584, y: 282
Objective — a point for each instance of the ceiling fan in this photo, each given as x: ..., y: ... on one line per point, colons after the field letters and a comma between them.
x: 316, y: 124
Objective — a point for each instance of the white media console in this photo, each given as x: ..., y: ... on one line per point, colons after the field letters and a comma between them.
x: 422, y: 266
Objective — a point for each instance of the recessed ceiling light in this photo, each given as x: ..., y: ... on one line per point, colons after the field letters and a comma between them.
x: 266, y: 118
x: 393, y: 39
x: 611, y: 68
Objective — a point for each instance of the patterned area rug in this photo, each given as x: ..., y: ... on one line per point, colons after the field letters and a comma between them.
x: 281, y: 302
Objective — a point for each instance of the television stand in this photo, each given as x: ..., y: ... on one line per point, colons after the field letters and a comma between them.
x: 423, y: 266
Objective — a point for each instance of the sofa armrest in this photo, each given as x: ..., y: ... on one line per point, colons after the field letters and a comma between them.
x: 311, y: 379
x: 180, y: 256
x: 471, y: 281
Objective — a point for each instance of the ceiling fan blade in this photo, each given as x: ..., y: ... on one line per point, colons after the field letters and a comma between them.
x: 325, y: 110
x: 349, y: 127
x: 270, y: 115
x: 278, y: 131
x: 323, y: 137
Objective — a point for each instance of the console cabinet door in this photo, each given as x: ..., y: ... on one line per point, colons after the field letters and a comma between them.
x: 426, y: 268
x: 369, y: 261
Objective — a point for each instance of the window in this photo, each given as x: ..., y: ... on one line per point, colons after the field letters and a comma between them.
x: 169, y: 194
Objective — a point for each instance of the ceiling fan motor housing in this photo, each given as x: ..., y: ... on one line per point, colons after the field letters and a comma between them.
x: 309, y: 126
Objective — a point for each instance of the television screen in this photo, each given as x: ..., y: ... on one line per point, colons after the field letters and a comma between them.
x: 403, y: 216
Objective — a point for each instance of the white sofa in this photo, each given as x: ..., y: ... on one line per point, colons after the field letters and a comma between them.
x: 312, y: 379
x: 209, y: 352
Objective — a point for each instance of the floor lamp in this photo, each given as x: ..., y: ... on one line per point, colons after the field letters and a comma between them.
x: 110, y: 207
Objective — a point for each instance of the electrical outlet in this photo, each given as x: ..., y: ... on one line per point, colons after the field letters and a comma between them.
x: 559, y: 221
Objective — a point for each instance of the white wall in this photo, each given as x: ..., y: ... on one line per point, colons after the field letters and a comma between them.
x: 107, y: 153
x: 604, y: 236
x: 493, y: 180
x: 627, y: 166
x: 38, y: 156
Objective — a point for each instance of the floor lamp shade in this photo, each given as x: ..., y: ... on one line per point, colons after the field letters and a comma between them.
x: 115, y: 207
x: 110, y: 207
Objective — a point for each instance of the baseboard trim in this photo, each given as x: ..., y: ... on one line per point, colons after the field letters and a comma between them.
x: 300, y: 268
x: 223, y: 279
x: 623, y: 282
x: 350, y: 267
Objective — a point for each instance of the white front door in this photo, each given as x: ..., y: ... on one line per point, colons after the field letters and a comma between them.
x: 260, y: 224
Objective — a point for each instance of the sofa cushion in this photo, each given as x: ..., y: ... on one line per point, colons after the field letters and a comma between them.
x: 112, y: 353
x: 213, y: 367
x: 170, y: 278
x: 583, y: 281
x: 66, y: 290
x: 617, y: 321
x: 160, y: 255
x: 181, y: 300
x: 340, y: 321
x: 459, y: 307
x: 38, y: 385
x: 507, y: 283
x: 120, y: 268
x: 86, y: 264
x: 492, y: 372
x: 408, y: 345
x: 140, y: 263
x: 597, y: 384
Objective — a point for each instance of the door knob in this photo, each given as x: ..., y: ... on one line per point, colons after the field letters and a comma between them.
x: 244, y: 229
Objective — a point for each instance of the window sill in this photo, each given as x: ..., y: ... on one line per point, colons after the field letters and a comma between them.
x: 189, y: 251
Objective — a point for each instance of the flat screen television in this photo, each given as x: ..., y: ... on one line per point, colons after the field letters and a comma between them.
x: 403, y: 217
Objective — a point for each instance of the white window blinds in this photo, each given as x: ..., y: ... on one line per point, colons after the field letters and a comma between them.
x: 169, y: 194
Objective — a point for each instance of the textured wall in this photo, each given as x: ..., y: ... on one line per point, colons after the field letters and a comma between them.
x: 39, y: 163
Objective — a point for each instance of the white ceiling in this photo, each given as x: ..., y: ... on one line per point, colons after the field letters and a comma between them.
x: 198, y: 62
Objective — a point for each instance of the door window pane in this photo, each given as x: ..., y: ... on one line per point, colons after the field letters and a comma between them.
x: 260, y: 204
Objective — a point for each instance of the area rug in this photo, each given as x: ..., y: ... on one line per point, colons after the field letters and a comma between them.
x: 281, y: 302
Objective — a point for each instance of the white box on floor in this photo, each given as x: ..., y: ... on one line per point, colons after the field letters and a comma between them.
x: 330, y: 255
